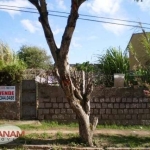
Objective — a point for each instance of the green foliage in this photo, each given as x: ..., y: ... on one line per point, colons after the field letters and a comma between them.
x: 85, y: 66
x: 114, y: 61
x: 35, y: 57
x: 11, y: 68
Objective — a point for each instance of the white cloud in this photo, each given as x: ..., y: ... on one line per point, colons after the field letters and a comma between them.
x: 57, y: 30
x: 110, y: 9
x: 17, y: 3
x: 116, y: 29
x: 61, y: 4
x: 105, y: 7
x: 31, y: 26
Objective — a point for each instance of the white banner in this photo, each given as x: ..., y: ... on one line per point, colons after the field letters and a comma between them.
x: 7, y: 93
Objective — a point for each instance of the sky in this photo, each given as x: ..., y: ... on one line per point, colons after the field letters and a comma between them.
x: 90, y: 38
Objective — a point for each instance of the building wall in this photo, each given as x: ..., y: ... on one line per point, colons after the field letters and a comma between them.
x: 11, y: 110
x: 125, y: 106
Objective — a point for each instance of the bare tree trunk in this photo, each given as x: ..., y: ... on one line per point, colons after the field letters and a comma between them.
x: 77, y: 90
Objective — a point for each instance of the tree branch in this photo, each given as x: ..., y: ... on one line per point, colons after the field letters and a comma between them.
x: 71, y: 23
x: 42, y: 8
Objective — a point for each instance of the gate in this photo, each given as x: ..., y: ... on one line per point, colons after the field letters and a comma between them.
x: 28, y: 100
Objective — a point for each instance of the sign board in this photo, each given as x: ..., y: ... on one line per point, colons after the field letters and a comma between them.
x: 7, y: 93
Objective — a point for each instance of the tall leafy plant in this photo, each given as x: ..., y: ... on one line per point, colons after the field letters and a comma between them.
x: 114, y: 61
x: 11, y: 67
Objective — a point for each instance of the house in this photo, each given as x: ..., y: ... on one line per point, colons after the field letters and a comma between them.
x: 138, y: 55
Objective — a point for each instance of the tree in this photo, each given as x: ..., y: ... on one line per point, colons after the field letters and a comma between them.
x: 77, y: 93
x: 35, y: 57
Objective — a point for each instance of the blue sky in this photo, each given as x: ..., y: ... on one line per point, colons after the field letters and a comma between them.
x: 89, y: 39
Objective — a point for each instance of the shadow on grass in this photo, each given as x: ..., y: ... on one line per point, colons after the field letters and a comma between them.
x: 100, y: 140
x: 121, y: 141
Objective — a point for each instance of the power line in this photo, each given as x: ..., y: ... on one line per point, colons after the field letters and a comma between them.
x: 129, y: 25
x: 91, y: 16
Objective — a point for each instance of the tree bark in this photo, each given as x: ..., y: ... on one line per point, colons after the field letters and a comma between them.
x: 77, y: 91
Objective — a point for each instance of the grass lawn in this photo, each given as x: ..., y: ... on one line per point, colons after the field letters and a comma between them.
x: 72, y: 139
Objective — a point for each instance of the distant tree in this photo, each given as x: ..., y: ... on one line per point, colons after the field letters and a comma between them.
x: 35, y: 57
x: 85, y: 66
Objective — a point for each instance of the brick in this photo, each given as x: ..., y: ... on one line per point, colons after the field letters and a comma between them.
x: 144, y: 116
x: 40, y: 111
x: 125, y: 111
x: 120, y: 111
x: 96, y: 99
x: 53, y: 100
x: 104, y: 105
x: 146, y: 111
x: 61, y: 105
x: 60, y: 116
x: 121, y: 117
x: 102, y: 100
x: 112, y: 99
x: 116, y: 105
x: 41, y: 117
x: 128, y: 116
x: 136, y: 111
x: 48, y: 105
x: 146, y: 100
x: 67, y: 105
x: 46, y: 111
x: 95, y: 111
x: 129, y: 100
x: 55, y: 105
x: 51, y: 111
x: 114, y: 111
x: 104, y: 116
x: 46, y: 99
x: 54, y: 117
x: 98, y: 105
x: 111, y: 117
x: 41, y: 105
x: 65, y: 100
x: 63, y: 111
x: 130, y: 111
x: 134, y: 117
x: 134, y: 106
x: 59, y: 99
x: 141, y: 111
x: 110, y: 105
x: 135, y: 100
x: 140, y: 100
x: 143, y: 105
x: 127, y: 105
x: 102, y: 111
x: 107, y: 100
x: 69, y: 111
x: 118, y: 100
x: 124, y: 100
x: 92, y: 105
x: 122, y: 105
x: 108, y: 111
x: 57, y: 111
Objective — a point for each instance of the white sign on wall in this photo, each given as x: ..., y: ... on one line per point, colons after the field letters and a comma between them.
x: 7, y: 93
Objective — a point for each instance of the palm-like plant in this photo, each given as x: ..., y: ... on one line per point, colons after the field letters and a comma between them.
x: 114, y: 61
